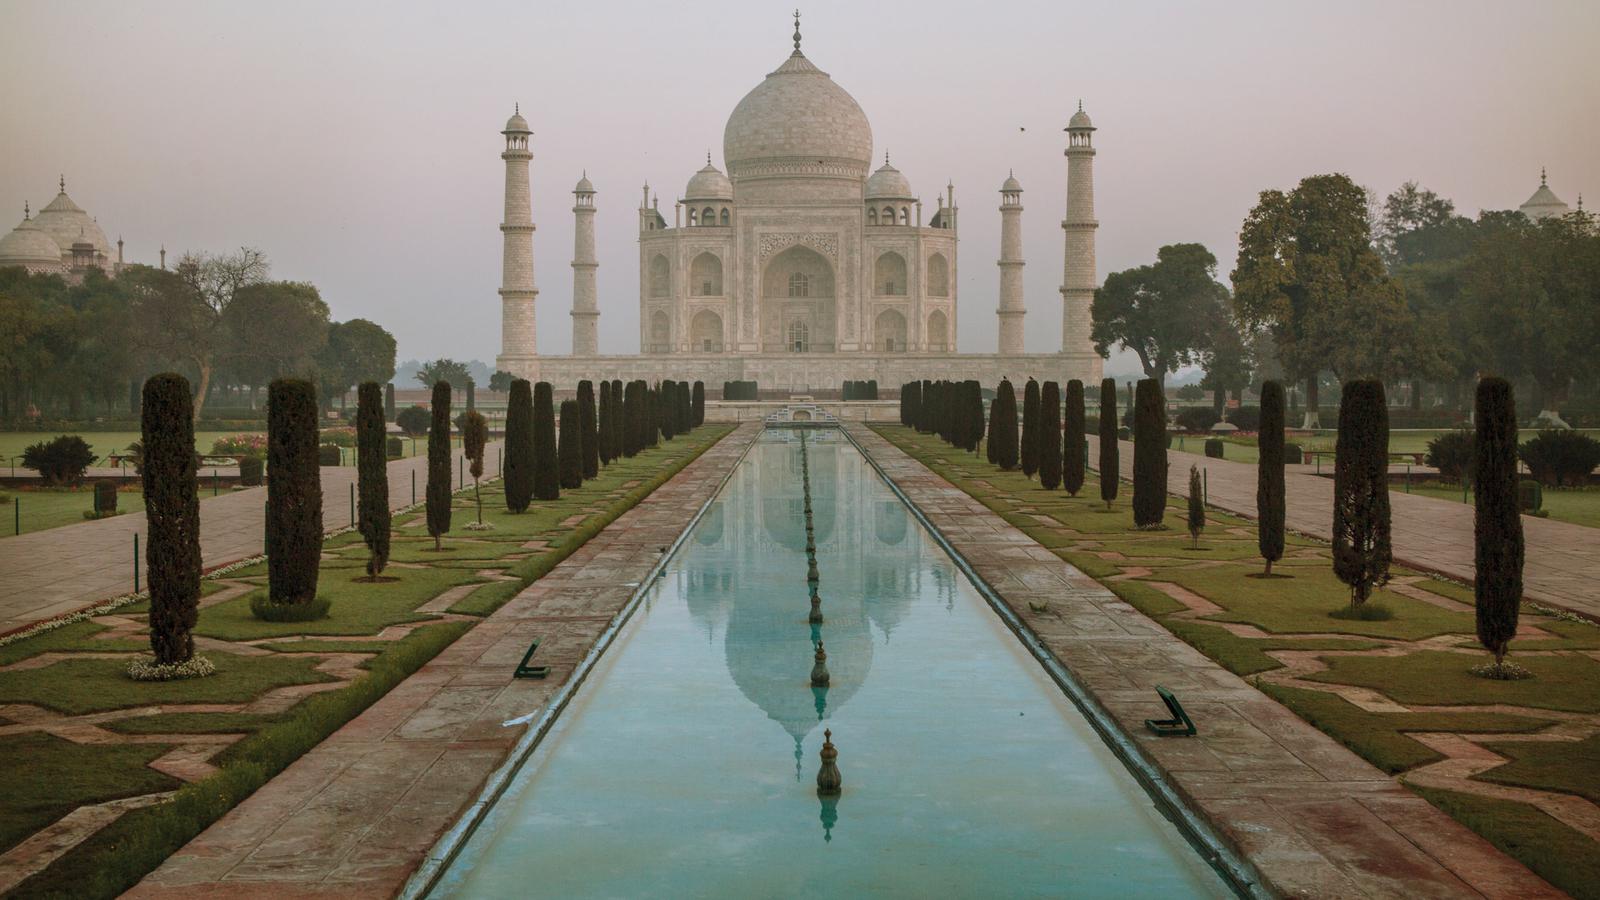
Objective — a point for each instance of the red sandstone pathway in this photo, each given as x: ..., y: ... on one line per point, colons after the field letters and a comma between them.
x: 358, y: 814
x: 51, y: 573
x: 1433, y: 535
x: 1314, y: 819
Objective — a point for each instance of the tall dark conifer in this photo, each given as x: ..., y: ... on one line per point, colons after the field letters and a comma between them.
x: 570, y: 455
x: 1050, y: 436
x: 974, y: 415
x: 1361, y: 547
x: 1110, y: 465
x: 1149, y: 455
x: 1073, y: 444
x: 1003, y: 437
x: 619, y: 419
x: 588, y: 430
x: 519, y: 447
x: 294, y: 493
x: 372, y: 472
x: 666, y: 402
x: 1029, y: 449
x: 172, y: 516
x: 994, y: 428
x: 546, y: 477
x: 1270, y: 508
x: 439, y: 465
x: 698, y: 401
x: 603, y: 425
x: 1497, y: 532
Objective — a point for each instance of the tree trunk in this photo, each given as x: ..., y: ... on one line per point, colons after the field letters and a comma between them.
x: 203, y: 389
x: 1219, y: 402
x: 1312, y: 421
x: 1416, y: 395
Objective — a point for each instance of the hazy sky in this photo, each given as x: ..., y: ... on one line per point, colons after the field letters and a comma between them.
x: 358, y: 145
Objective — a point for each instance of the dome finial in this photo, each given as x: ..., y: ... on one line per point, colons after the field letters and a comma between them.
x: 708, y: 156
x: 797, y: 31
x: 63, y: 184
x: 26, y: 213
x: 1080, y: 104
x: 1541, y: 176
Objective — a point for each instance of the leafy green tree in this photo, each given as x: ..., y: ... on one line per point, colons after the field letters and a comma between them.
x: 1029, y: 448
x: 1109, y: 465
x: 588, y: 430
x: 372, y: 467
x: 1270, y: 506
x: 356, y: 351
x: 1049, y: 436
x: 1073, y: 443
x: 172, y: 516
x: 449, y: 371
x: 1149, y: 455
x: 1227, y: 363
x: 569, y: 456
x: 1361, y: 529
x: 474, y: 440
x: 500, y: 382
x: 294, y: 497
x: 519, y: 464
x: 546, y: 477
x: 1497, y: 530
x: 1165, y: 313
x: 1410, y: 211
x: 272, y: 329
x: 439, y: 465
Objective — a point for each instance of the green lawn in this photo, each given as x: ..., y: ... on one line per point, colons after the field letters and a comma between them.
x: 1294, y: 613
x: 12, y: 443
x: 37, y: 510
x: 1578, y: 506
x: 117, y: 856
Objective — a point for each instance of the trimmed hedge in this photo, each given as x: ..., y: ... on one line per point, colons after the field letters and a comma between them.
x: 1214, y: 448
x: 1149, y: 455
x: 569, y: 456
x: 250, y: 471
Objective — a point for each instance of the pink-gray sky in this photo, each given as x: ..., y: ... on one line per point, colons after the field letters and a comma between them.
x: 357, y: 143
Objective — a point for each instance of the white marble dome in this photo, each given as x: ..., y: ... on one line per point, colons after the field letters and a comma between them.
x: 30, y: 248
x: 708, y: 184
x: 68, y: 224
x: 1080, y: 119
x: 797, y: 117
x: 516, y: 124
x: 888, y: 184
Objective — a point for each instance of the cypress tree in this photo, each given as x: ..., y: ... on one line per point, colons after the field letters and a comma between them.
x: 1049, y: 436
x: 1073, y: 446
x: 546, y: 477
x: 1361, y: 548
x: 628, y: 422
x: 474, y: 441
x: 519, y: 447
x: 294, y: 495
x: 1197, y: 506
x: 172, y: 516
x: 1149, y: 455
x: 1029, y: 449
x: 685, y: 408
x: 619, y: 421
x: 1270, y: 507
x: 1110, y: 465
x: 974, y: 415
x: 994, y: 428
x: 1003, y: 437
x: 388, y: 401
x: 1497, y: 531
x: 698, y: 402
x: 667, y: 397
x: 652, y: 411
x: 472, y: 395
x: 439, y: 465
x: 603, y: 425
x: 588, y: 430
x: 372, y: 473
x: 570, y: 454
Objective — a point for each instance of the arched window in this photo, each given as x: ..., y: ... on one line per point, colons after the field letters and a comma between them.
x: 660, y: 276
x: 938, y: 332
x: 705, y: 332
x: 692, y: 218
x: 889, y: 331
x: 905, y: 215
x: 872, y: 216
x: 799, y: 285
x: 708, y: 217
x: 938, y: 276
x: 660, y: 333
x: 889, y: 275
x: 799, y: 336
x: 888, y: 215
x: 724, y: 216
x: 705, y: 276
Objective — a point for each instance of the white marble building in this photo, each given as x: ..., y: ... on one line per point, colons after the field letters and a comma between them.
x: 60, y: 239
x: 799, y: 267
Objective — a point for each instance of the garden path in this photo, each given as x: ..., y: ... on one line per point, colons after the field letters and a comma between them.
x: 51, y: 573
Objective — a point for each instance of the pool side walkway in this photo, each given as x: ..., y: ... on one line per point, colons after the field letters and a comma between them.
x: 45, y: 574
x: 1314, y: 819
x: 358, y: 814
x: 1429, y: 534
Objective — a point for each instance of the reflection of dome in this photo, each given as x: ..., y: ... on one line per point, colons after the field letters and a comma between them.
x: 888, y: 184
x: 709, y: 184
x: 889, y: 521
x: 798, y: 116
x: 30, y: 248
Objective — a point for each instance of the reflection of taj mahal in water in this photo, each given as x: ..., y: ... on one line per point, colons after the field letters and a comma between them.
x: 796, y: 268
x: 870, y: 552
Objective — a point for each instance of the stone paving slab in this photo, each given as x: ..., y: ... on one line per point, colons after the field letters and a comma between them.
x: 1312, y: 817
x: 1433, y: 535
x: 357, y: 814
x: 45, y: 574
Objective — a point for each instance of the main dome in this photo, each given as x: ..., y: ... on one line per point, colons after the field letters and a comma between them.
x: 797, y: 121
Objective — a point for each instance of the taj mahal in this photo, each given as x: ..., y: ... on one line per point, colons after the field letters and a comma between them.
x: 800, y: 266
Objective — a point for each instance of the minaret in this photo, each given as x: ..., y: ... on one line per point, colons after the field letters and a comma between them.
x: 1078, y: 277
x: 519, y: 353
x: 585, y: 306
x: 1011, y: 304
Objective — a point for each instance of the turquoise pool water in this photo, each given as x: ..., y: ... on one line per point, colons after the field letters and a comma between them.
x: 686, y: 765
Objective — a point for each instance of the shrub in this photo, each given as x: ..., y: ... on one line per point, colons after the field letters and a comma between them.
x: 372, y: 475
x: 339, y: 437
x: 1561, y: 457
x: 1003, y: 436
x: 241, y: 445
x: 1530, y: 495
x: 1124, y: 433
x: 698, y: 404
x: 1149, y: 455
x: 414, y: 420
x: 1050, y: 436
x: 1109, y: 463
x: 1214, y: 448
x: 1073, y: 447
x: 1197, y: 506
x: 294, y: 493
x: 62, y: 460
x: 1197, y: 419
x: 1451, y: 454
x: 438, y: 502
x: 1270, y: 506
x: 105, y: 497
x: 250, y: 469
x: 1029, y: 448
x: 1497, y: 531
x: 588, y: 431
x: 474, y: 441
x: 1361, y: 528
x: 518, y: 474
x: 569, y: 456
x: 1293, y: 454
x: 546, y: 477
x: 172, y: 516
x: 329, y: 455
x: 1245, y: 418
x: 394, y: 448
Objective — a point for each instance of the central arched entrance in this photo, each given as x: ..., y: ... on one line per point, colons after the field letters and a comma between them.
x: 797, y: 303
x: 705, y: 332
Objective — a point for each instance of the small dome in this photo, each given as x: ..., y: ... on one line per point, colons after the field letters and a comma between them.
x: 27, y: 246
x: 797, y: 120
x: 1011, y: 185
x: 585, y: 186
x: 1544, y: 203
x: 1080, y: 119
x: 888, y: 184
x: 709, y: 184
x: 517, y: 124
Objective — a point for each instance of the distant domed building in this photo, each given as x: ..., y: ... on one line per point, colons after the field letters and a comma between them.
x: 60, y: 239
x: 1544, y: 204
x: 800, y: 266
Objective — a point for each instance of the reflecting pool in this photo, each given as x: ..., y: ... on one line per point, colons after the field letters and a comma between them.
x: 686, y: 765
